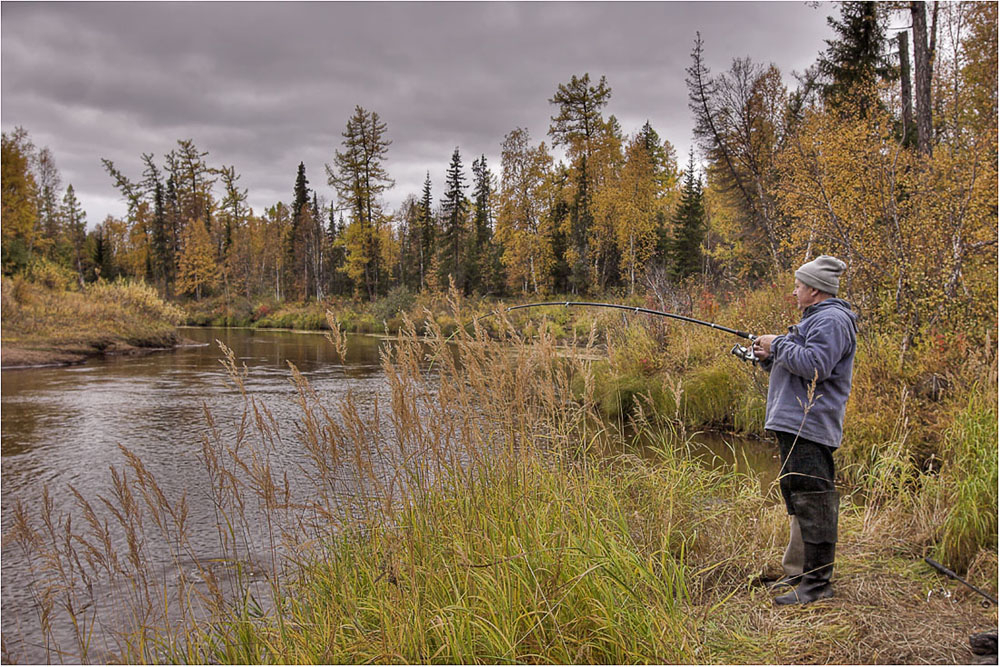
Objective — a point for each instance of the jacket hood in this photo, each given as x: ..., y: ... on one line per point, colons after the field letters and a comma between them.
x: 833, y: 303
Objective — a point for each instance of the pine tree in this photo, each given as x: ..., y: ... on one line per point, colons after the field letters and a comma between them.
x: 360, y: 178
x: 578, y: 126
x: 856, y: 58
x: 740, y: 125
x: 689, y: 226
x: 76, y: 227
x: 427, y: 232
x: 454, y: 208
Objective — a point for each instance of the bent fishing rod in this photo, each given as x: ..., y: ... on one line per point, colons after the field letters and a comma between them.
x: 742, y: 352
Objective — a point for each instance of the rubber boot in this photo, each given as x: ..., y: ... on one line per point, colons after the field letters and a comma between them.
x: 817, y: 518
x: 815, y: 584
x: 793, y: 561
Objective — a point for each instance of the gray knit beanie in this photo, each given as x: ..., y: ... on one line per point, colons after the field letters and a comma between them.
x: 823, y: 273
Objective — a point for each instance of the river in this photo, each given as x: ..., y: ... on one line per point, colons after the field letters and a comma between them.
x: 62, y: 427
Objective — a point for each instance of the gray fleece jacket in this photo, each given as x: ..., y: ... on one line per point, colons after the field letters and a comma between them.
x: 822, y: 345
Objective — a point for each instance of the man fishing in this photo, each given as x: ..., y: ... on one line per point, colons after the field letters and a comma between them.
x: 810, y: 371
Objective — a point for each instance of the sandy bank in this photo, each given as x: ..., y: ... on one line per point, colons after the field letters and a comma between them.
x: 19, y: 355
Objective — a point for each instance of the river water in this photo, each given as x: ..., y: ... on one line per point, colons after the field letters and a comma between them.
x: 62, y: 427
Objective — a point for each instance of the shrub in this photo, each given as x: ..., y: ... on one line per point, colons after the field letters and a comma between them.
x: 398, y: 300
x: 51, y: 275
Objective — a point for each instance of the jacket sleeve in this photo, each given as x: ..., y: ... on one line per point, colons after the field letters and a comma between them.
x: 825, y: 344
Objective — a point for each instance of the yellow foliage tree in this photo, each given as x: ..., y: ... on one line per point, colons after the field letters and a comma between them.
x: 919, y: 235
x: 627, y: 205
x: 523, y: 224
x: 19, y: 199
x: 605, y: 166
x: 196, y: 266
x: 133, y: 251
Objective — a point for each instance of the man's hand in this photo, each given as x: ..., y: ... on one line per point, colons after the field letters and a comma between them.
x: 762, y: 347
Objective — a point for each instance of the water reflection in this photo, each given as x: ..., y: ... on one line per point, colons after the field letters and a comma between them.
x: 63, y: 426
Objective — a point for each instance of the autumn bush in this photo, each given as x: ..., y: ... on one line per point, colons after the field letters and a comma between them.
x: 103, y: 313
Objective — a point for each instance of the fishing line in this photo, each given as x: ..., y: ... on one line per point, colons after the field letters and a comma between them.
x: 742, y: 352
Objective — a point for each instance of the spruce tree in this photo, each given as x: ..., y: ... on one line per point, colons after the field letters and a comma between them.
x: 480, y: 279
x: 856, y: 58
x: 174, y: 227
x: 454, y: 208
x: 160, y: 258
x: 102, y: 254
x: 296, y: 247
x: 689, y: 226
x: 160, y: 249
x: 425, y: 222
x: 75, y: 220
x: 317, y: 245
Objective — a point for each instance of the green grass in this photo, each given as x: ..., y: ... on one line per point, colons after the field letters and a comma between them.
x: 970, y: 475
x: 532, y: 563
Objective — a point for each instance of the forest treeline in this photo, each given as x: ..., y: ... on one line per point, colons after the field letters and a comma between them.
x: 890, y: 166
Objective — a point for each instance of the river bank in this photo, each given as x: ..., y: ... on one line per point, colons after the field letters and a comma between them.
x: 53, y: 325
x: 14, y: 356
x: 533, y: 549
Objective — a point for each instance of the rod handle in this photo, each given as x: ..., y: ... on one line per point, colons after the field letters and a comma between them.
x: 940, y: 568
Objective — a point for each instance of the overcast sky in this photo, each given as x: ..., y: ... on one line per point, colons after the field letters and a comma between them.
x: 264, y: 86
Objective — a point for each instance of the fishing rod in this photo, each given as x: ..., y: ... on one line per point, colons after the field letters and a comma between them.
x: 951, y: 575
x: 742, y: 352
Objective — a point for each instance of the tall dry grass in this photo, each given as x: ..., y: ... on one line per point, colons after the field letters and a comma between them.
x: 564, y: 556
x: 39, y: 315
x: 486, y: 513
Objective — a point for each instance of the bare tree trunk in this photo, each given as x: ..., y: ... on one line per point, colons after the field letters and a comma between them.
x: 631, y: 264
x: 922, y: 63
x: 906, y: 86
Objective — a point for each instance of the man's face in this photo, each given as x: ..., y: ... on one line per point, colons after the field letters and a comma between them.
x: 805, y: 296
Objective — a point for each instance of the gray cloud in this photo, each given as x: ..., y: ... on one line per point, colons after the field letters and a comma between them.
x: 263, y: 86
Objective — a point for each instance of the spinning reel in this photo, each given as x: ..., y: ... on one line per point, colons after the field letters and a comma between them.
x: 745, y: 352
